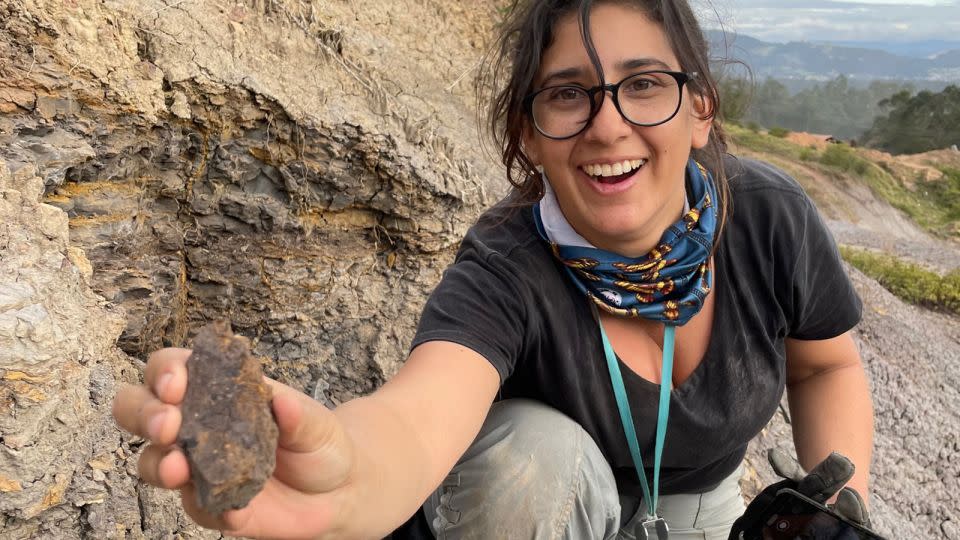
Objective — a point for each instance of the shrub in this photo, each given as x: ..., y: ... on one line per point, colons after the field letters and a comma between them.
x: 908, y: 281
x: 808, y: 154
x: 779, y: 132
x: 844, y: 158
x: 753, y: 126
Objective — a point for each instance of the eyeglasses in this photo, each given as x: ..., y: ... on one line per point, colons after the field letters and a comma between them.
x: 649, y: 98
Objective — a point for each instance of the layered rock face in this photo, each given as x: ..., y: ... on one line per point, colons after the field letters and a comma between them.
x: 303, y: 170
x: 306, y: 171
x: 256, y: 162
x: 61, y: 458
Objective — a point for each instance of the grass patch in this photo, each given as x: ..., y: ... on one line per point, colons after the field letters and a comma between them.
x: 934, y: 205
x: 808, y: 154
x: 779, y: 132
x: 908, y: 281
x: 947, y: 191
x: 840, y: 156
x: 762, y: 142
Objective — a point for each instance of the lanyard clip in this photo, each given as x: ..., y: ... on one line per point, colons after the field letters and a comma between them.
x: 655, y: 524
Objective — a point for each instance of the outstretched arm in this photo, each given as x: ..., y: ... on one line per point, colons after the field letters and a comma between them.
x: 355, y: 472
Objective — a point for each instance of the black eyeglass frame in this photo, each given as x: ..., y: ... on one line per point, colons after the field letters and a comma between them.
x: 681, y: 77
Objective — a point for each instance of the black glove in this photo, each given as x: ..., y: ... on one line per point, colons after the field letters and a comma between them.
x: 819, y: 484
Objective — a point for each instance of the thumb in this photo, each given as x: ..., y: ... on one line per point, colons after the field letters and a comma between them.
x: 314, y: 453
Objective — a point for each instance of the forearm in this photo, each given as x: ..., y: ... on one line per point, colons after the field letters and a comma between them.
x: 832, y: 411
x: 408, y: 435
x: 393, y: 474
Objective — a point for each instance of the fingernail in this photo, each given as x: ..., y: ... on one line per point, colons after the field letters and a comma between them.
x: 162, y: 384
x: 156, y: 425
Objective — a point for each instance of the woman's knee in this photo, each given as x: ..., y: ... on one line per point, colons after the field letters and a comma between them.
x: 532, y: 472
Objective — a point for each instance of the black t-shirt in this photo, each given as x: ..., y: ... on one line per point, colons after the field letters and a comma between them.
x: 778, y: 275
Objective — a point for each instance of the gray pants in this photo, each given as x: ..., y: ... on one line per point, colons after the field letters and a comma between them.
x: 533, y: 472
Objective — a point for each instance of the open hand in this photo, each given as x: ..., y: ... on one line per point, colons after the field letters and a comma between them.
x: 310, y: 493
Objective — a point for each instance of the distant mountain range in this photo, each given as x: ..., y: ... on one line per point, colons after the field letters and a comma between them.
x: 817, y: 61
x: 913, y: 49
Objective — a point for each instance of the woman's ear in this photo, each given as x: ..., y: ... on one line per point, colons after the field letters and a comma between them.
x: 703, y: 114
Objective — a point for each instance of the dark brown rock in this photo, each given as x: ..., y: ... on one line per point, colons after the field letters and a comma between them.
x: 228, y: 434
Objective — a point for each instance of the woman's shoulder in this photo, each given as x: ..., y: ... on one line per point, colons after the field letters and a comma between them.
x: 766, y: 204
x: 506, y: 229
x: 761, y: 193
x: 752, y: 177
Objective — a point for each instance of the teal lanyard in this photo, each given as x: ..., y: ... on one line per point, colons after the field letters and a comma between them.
x: 626, y: 417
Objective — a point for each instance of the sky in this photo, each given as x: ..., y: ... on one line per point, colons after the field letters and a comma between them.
x: 828, y: 20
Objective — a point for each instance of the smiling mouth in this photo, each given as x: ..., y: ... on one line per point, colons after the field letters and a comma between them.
x: 612, y: 173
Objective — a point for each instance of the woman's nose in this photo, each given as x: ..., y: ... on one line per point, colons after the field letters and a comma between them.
x: 608, y: 125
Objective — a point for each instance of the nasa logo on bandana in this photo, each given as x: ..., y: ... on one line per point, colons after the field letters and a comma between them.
x: 612, y: 296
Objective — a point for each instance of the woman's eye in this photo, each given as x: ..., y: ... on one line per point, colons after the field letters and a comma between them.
x: 641, y: 85
x: 566, y: 94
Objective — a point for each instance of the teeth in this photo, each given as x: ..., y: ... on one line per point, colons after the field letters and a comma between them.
x: 614, y: 169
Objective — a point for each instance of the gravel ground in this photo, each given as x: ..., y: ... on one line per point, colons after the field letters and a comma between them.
x: 912, y: 356
x: 940, y: 255
x: 913, y: 359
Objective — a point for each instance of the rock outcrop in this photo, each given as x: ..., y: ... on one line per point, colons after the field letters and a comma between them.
x: 304, y: 171
x: 62, y: 460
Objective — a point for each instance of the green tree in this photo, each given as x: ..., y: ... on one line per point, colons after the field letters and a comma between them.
x: 837, y: 107
x: 734, y: 98
x: 770, y: 102
x: 917, y: 123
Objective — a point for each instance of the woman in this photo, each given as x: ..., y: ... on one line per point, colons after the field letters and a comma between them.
x: 646, y: 257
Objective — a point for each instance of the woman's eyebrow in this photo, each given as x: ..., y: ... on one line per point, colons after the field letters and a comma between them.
x: 635, y: 63
x: 563, y: 74
x: 625, y: 65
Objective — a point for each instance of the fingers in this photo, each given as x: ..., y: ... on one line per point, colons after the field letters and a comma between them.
x: 827, y: 477
x: 166, y: 374
x: 148, y: 410
x: 164, y: 467
x: 851, y: 506
x: 138, y: 411
x: 785, y: 465
x: 314, y: 453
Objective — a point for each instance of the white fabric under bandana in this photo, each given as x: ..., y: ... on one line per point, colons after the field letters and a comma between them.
x: 555, y: 224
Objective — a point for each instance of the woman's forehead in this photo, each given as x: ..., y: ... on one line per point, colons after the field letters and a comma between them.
x: 624, y: 37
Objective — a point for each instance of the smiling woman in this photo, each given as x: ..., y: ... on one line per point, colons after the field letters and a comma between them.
x: 610, y: 336
x: 629, y: 215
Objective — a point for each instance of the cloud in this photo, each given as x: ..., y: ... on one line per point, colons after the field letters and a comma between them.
x: 897, y: 2
x: 824, y: 20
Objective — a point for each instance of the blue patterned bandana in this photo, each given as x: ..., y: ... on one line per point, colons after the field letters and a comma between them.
x: 670, y: 283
